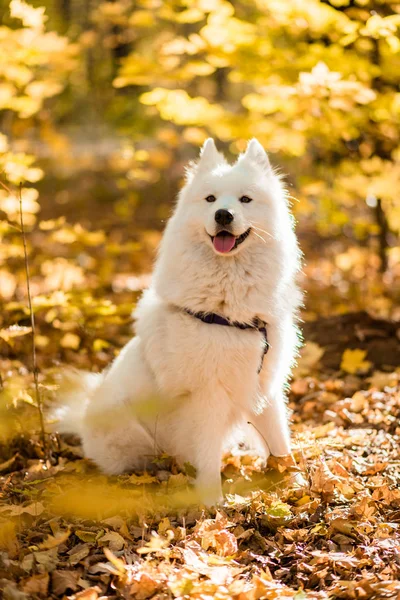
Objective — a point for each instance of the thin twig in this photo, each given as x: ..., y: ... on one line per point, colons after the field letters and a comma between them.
x: 32, y: 317
x: 34, y: 360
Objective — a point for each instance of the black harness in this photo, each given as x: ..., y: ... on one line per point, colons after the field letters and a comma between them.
x: 214, y: 319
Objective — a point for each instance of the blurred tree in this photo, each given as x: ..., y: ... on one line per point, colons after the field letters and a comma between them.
x: 315, y: 81
x: 34, y: 64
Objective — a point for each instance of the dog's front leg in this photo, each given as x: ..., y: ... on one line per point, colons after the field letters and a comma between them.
x: 204, y: 423
x: 208, y: 474
x: 272, y: 425
x: 273, y: 422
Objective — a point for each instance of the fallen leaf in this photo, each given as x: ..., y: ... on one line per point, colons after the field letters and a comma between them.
x: 353, y: 361
x: 46, y: 560
x: 310, y: 354
x: 10, y: 333
x: 86, y: 536
x: 8, y: 463
x: 114, y: 540
x: 277, y: 514
x: 144, y: 586
x: 380, y: 379
x: 35, y: 509
x: 157, y: 543
x: 164, y: 526
x: 78, y: 553
x: 115, y: 561
x: 91, y: 593
x: 54, y: 541
x: 225, y: 543
x: 323, y: 480
x: 36, y: 584
x: 8, y: 538
x: 63, y: 580
x: 70, y: 340
x: 142, y: 479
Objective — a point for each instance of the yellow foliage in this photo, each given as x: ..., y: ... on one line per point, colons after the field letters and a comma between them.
x: 177, y: 106
x: 33, y: 67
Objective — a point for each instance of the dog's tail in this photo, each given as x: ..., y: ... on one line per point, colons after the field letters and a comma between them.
x: 74, y: 395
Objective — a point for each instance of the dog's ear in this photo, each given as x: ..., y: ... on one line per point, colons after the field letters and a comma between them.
x: 209, y: 159
x: 209, y: 156
x: 256, y: 154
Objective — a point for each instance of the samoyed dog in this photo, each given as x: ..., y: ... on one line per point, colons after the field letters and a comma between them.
x: 215, y: 333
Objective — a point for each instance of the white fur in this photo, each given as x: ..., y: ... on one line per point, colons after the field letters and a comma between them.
x: 183, y: 386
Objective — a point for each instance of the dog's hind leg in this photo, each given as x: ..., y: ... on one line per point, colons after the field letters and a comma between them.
x: 112, y: 433
x: 122, y: 448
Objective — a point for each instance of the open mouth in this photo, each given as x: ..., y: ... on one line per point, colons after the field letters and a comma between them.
x: 225, y: 241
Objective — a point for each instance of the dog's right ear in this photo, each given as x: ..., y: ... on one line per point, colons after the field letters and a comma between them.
x: 209, y: 159
x: 209, y: 156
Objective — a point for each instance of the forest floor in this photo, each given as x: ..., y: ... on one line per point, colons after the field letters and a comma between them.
x: 329, y: 528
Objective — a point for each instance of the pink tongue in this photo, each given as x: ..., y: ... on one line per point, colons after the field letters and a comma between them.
x: 224, y: 243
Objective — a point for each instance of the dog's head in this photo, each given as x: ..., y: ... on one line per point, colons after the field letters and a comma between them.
x: 232, y: 207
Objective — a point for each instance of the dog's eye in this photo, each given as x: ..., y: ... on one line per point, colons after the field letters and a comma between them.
x: 245, y: 199
x: 211, y: 198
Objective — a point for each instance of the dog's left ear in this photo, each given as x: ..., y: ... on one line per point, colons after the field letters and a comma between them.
x: 256, y: 154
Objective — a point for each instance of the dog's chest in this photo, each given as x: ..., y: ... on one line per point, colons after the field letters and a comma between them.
x: 202, y: 358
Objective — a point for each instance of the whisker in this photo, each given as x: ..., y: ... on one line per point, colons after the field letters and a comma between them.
x: 262, y: 230
x: 259, y: 236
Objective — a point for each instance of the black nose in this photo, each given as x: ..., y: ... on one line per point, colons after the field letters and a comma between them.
x: 223, y: 216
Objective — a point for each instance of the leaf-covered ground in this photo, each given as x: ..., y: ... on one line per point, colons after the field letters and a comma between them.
x: 327, y: 529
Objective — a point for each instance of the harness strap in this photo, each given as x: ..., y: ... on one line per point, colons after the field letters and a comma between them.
x: 214, y: 319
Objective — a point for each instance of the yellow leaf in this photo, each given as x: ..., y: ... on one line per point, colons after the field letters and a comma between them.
x: 116, y: 562
x: 35, y: 509
x: 70, y: 340
x: 164, y: 525
x: 179, y: 107
x: 54, y: 541
x: 157, y: 543
x: 30, y: 17
x: 14, y: 331
x: 141, y: 479
x: 191, y: 15
x: 99, y: 345
x: 380, y: 379
x: 142, y: 18
x: 310, y: 355
x: 3, y: 143
x: 353, y: 361
x: 8, y: 537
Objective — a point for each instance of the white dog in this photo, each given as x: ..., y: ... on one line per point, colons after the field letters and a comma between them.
x: 224, y: 284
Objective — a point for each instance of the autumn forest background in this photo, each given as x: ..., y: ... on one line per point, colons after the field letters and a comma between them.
x: 102, y: 103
